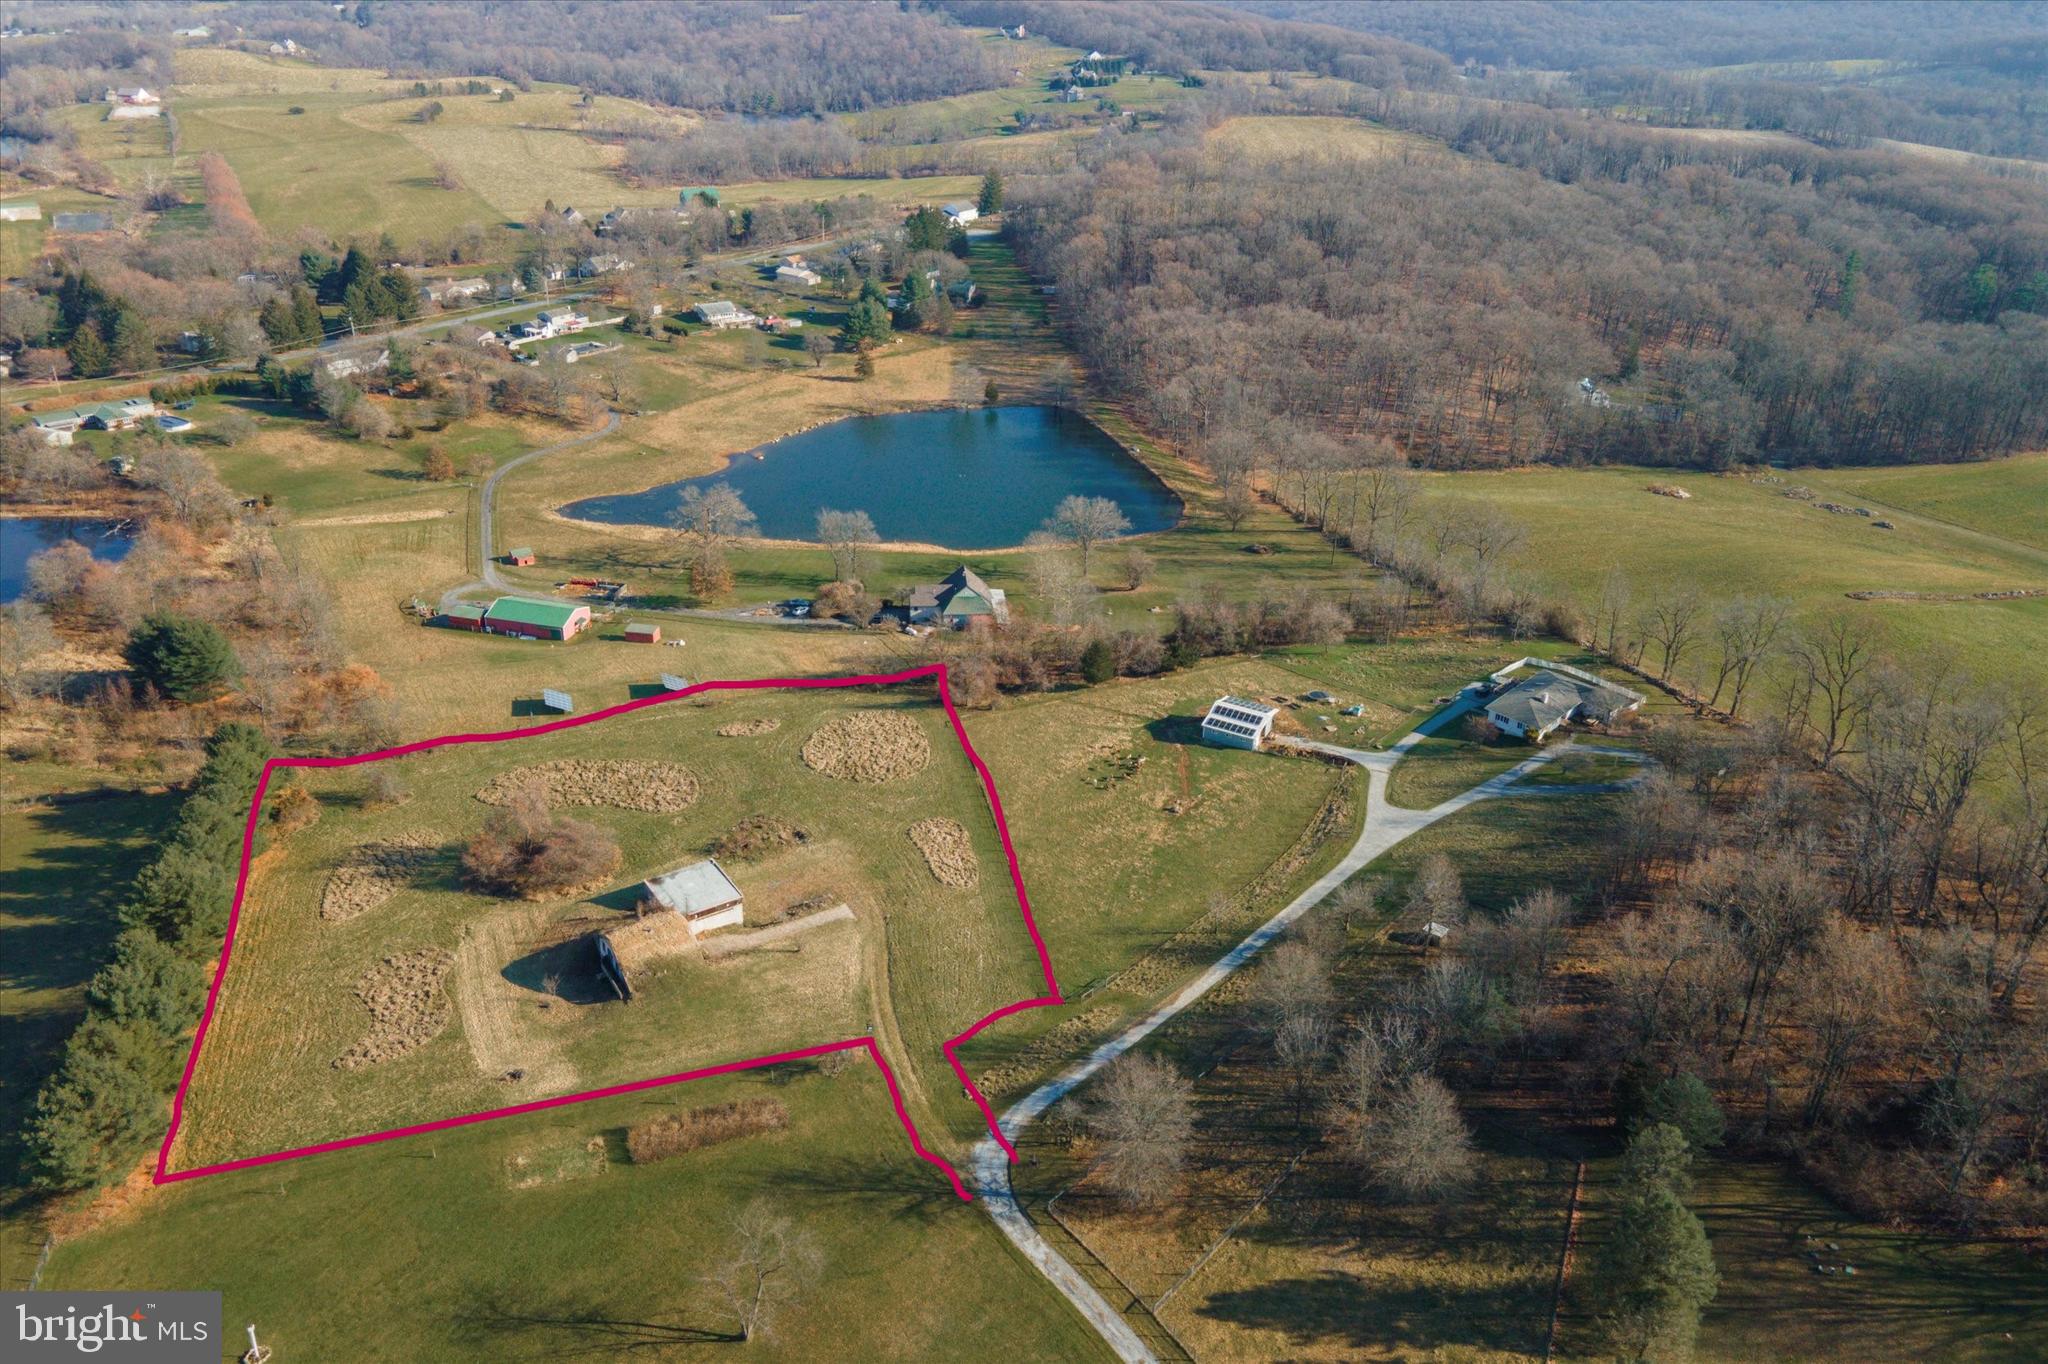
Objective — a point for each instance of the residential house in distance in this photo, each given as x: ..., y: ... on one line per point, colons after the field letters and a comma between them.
x: 287, y: 48
x: 569, y: 216
x: 21, y: 213
x: 961, y: 600
x: 554, y: 322
x: 1531, y: 707
x: 1233, y: 722
x: 134, y: 101
x: 583, y: 350
x: 118, y: 415
x: 960, y: 213
x: 451, y: 292
x: 794, y: 271
x: 721, y: 314
x: 349, y: 365
x: 604, y: 263
x: 200, y: 32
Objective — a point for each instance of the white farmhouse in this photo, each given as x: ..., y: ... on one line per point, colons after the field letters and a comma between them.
x: 960, y: 213
x: 1233, y: 722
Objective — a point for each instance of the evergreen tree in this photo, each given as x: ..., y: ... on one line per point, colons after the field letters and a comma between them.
x: 926, y: 230
x: 88, y: 351
x: 867, y: 322
x: 184, y: 658
x: 991, y: 200
x: 306, y: 310
x: 1685, y: 1102
x: 317, y: 268
x: 133, y: 349
x: 101, y: 1107
x: 1849, y: 284
x: 1655, y: 1270
x: 1098, y: 662
x: 280, y: 324
x: 149, y: 985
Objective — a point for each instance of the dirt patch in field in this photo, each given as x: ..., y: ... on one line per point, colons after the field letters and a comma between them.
x: 868, y: 746
x: 749, y: 729
x: 662, y: 788
x: 406, y: 1004
x: 947, y: 850
x: 755, y: 837
x: 373, y: 874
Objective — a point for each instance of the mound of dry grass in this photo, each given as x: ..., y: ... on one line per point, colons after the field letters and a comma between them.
x: 757, y: 836
x: 672, y: 1134
x: 657, y: 787
x: 406, y: 1004
x: 948, y: 851
x: 868, y: 746
x: 373, y: 874
x: 749, y: 729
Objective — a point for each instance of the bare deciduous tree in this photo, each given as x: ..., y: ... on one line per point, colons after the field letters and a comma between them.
x: 848, y: 534
x: 1083, y: 522
x: 1144, y: 1116
x: 769, y: 1263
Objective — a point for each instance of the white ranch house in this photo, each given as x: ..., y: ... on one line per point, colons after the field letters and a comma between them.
x: 1233, y: 722
x: 1556, y: 694
x: 961, y: 213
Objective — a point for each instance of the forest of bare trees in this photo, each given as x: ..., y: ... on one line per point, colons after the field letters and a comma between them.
x: 1814, y: 307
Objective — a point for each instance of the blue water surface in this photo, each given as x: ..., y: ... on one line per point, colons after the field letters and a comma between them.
x: 983, y: 478
x: 22, y: 538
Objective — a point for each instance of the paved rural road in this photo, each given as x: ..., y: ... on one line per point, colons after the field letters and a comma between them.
x: 1385, y: 826
x: 488, y: 565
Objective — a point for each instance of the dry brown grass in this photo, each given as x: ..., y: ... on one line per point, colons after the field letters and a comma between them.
x: 373, y: 874
x: 947, y: 850
x: 868, y: 746
x: 662, y: 788
x: 757, y: 836
x: 749, y: 729
x: 672, y: 1134
x: 406, y: 1004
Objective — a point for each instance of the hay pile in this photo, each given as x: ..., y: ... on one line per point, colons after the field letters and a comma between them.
x: 407, y: 1008
x: 868, y: 746
x: 757, y: 836
x: 373, y: 874
x: 749, y: 729
x: 661, y: 788
x: 947, y: 850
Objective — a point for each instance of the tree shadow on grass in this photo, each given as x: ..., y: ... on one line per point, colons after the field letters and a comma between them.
x: 1176, y: 729
x: 1335, y: 1307
x: 576, y: 1328
x: 573, y: 967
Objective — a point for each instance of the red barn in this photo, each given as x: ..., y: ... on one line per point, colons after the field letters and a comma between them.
x: 643, y: 632
x: 536, y: 619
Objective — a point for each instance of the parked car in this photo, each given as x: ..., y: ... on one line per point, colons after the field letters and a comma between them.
x: 1318, y: 696
x: 796, y: 606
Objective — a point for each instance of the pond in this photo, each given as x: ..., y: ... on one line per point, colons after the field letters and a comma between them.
x: 24, y: 537
x: 978, y: 479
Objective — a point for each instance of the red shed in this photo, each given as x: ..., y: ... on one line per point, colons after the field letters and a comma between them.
x: 519, y: 558
x: 643, y: 632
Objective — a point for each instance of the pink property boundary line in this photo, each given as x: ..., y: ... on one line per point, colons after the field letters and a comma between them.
x: 165, y: 1175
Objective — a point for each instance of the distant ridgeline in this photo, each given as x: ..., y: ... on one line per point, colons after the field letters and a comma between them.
x: 1553, y: 288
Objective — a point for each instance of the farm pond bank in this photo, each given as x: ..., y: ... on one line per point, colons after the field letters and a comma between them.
x: 24, y: 537
x: 975, y: 478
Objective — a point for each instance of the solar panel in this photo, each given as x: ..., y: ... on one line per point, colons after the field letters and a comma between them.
x: 674, y: 683
x: 557, y: 700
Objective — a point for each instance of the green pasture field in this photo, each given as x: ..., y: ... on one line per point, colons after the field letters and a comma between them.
x: 64, y: 866
x: 1735, y: 536
x: 2006, y: 498
x: 922, y: 962
x: 424, y: 1250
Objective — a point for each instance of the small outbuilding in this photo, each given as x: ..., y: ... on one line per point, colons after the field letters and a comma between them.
x: 701, y: 893
x: 643, y: 632
x: 1233, y: 722
x: 463, y: 616
x: 520, y: 558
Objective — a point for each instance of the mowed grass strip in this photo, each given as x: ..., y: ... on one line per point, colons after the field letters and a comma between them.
x: 469, y: 1261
